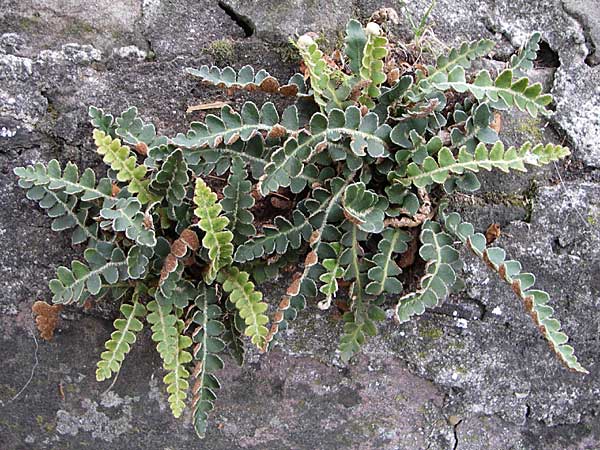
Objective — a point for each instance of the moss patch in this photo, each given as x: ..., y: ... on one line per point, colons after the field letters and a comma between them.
x: 222, y: 50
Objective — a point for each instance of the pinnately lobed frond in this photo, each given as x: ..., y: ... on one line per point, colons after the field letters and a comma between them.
x: 237, y: 202
x: 217, y: 240
x: 120, y: 159
x: 371, y: 69
x: 104, y: 263
x: 231, y: 126
x: 246, y: 79
x: 333, y: 196
x: 534, y: 300
x: 432, y: 171
x: 121, y: 339
x: 442, y: 262
x: 208, y: 343
x: 249, y: 303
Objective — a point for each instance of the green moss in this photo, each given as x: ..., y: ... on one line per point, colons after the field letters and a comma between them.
x: 532, y: 128
x: 28, y: 23
x: 76, y: 27
x: 431, y: 333
x: 591, y: 220
x: 287, y: 52
x: 221, y: 49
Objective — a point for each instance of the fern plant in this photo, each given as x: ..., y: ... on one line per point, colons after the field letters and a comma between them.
x: 373, y: 161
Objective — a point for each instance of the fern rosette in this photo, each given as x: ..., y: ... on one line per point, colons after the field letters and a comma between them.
x: 335, y: 199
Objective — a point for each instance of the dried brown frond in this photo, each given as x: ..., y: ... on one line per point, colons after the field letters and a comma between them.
x: 46, y: 318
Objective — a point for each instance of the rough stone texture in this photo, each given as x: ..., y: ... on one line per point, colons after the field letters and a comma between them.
x: 473, y: 374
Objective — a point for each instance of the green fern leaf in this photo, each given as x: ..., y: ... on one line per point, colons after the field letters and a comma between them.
x: 217, y: 240
x: 127, y: 216
x: 383, y: 275
x: 134, y: 131
x: 208, y: 344
x: 371, y: 68
x: 237, y: 202
x: 355, y: 42
x: 503, y: 93
x: 523, y: 61
x: 177, y: 375
x: 121, y: 339
x: 164, y: 332
x: 334, y: 271
x: 432, y: 171
x: 535, y: 301
x: 249, y: 304
x: 104, y: 262
x: 232, y: 126
x: 171, y: 180
x: 104, y: 122
x: 364, y: 208
x: 287, y: 162
x: 462, y: 56
x: 228, y: 78
x: 322, y: 76
x: 364, y: 312
x: 440, y: 273
x: 120, y: 159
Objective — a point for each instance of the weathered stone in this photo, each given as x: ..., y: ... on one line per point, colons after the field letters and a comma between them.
x: 277, y: 21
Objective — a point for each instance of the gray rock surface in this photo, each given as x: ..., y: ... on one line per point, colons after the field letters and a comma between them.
x: 473, y: 374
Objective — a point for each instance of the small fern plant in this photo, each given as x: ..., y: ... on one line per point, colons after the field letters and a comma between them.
x: 353, y: 180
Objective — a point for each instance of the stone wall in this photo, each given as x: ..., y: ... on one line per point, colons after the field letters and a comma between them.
x: 473, y: 374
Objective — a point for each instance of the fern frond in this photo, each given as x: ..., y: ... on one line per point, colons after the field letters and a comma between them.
x: 163, y: 325
x: 364, y: 207
x: 383, y: 275
x: 355, y: 42
x: 138, y: 261
x: 371, y: 69
x: 62, y: 209
x: 120, y: 159
x: 67, y: 181
x: 359, y: 322
x: 476, y: 127
x: 102, y: 121
x: 366, y: 135
x: 66, y: 196
x: 217, y: 240
x: 171, y: 180
x: 121, y: 339
x: 177, y: 375
x: 278, y: 238
x: 503, y: 92
x: 206, y: 160
x: 535, y: 301
x: 208, y: 345
x: 249, y: 303
x: 127, y: 216
x: 246, y: 79
x: 104, y: 262
x: 523, y: 61
x: 232, y: 126
x: 237, y: 202
x: 441, y: 262
x: 334, y: 271
x: 322, y: 76
x: 462, y: 56
x: 135, y: 132
x: 432, y: 171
